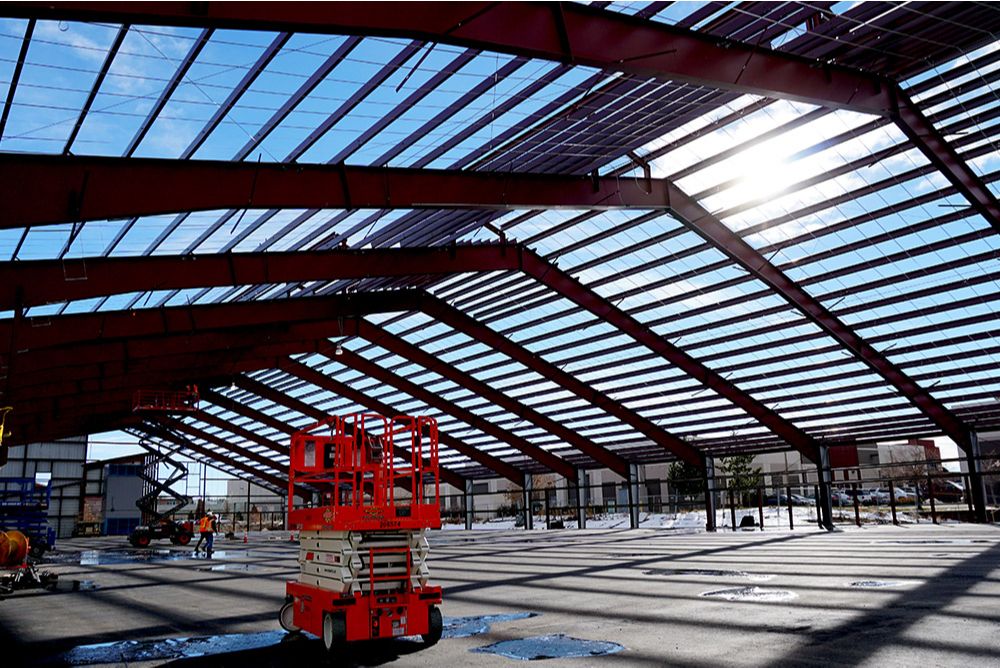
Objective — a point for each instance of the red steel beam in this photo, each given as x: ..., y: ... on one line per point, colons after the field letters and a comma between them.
x: 552, y: 462
x: 573, y: 290
x: 34, y: 280
x: 40, y: 428
x: 574, y: 34
x: 83, y: 381
x: 408, y: 351
x: 922, y: 133
x: 232, y: 406
x: 47, y: 190
x: 215, y: 439
x: 443, y: 312
x: 310, y: 375
x: 716, y: 233
x: 45, y: 281
x: 61, y: 330
x: 274, y: 396
x: 103, y: 359
x: 566, y: 32
x: 242, y: 432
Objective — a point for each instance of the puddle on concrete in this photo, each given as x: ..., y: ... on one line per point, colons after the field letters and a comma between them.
x: 141, y: 556
x: 750, y: 594
x: 463, y: 627
x: 877, y: 584
x: 130, y: 651
x: 126, y: 556
x: 742, y: 575
x: 245, y: 568
x: 556, y: 646
x: 75, y: 585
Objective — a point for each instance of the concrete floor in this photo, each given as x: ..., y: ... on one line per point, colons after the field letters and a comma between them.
x: 640, y: 588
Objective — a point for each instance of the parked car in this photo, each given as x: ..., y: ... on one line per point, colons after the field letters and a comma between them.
x: 879, y: 496
x: 802, y: 500
x: 865, y: 496
x: 948, y: 491
x: 905, y: 495
x: 782, y: 499
x: 776, y: 500
x: 841, y: 498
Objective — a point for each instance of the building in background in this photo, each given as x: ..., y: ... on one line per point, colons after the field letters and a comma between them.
x: 60, y: 465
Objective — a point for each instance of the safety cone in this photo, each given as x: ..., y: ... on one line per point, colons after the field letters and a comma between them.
x: 245, y: 538
x: 291, y: 537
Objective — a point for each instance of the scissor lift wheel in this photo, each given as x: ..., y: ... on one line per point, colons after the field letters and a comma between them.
x: 435, y: 626
x: 334, y: 631
x: 287, y: 617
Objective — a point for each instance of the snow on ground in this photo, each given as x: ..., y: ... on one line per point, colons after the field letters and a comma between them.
x: 803, y: 516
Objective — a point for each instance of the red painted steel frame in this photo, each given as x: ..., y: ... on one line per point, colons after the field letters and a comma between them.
x: 44, y: 281
x: 278, y: 481
x: 443, y: 312
x: 566, y: 32
x: 553, y: 462
x: 46, y: 190
x: 35, y: 280
x: 721, y: 237
x: 573, y: 33
x: 408, y: 351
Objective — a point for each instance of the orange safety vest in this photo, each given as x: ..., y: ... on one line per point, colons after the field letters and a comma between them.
x: 205, y: 524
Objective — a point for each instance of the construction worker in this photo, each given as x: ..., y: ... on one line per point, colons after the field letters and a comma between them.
x: 206, y: 527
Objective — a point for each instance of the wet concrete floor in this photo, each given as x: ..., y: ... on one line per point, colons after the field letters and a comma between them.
x: 642, y: 590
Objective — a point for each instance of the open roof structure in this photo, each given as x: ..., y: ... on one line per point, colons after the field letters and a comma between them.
x: 578, y: 235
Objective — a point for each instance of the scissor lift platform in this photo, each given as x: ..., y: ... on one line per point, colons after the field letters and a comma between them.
x: 363, y: 545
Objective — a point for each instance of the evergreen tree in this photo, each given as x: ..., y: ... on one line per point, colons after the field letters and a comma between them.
x: 742, y: 476
x: 685, y: 479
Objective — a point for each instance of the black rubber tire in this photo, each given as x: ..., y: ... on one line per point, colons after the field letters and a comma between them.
x: 286, y: 618
x: 334, y: 631
x: 142, y: 540
x: 183, y: 538
x: 435, y: 626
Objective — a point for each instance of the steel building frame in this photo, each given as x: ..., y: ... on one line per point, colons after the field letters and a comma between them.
x: 646, y: 285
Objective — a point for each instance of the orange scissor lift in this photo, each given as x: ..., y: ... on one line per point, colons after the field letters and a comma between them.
x: 362, y: 537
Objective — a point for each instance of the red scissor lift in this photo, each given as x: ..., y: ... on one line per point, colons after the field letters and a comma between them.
x: 362, y: 535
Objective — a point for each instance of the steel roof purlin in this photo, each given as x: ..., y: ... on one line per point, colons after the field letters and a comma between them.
x: 553, y: 462
x: 441, y: 311
x: 720, y: 236
x: 398, y: 346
